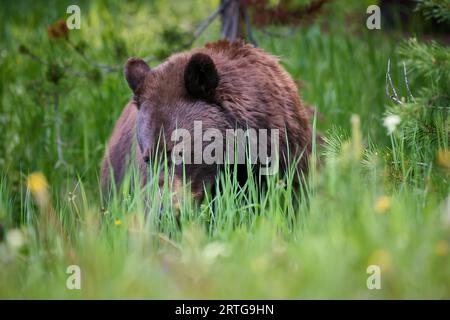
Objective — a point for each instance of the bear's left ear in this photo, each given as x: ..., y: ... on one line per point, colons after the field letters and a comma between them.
x: 135, y: 71
x: 200, y: 77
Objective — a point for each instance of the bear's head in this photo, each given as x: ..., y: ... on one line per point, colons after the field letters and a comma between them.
x: 171, y: 100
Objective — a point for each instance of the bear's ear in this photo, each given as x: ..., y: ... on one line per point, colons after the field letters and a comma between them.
x: 200, y: 77
x: 135, y: 71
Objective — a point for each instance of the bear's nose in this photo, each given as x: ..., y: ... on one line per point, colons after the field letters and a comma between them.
x: 146, y: 156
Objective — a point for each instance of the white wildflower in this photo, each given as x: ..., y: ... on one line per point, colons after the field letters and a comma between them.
x: 15, y: 239
x: 391, y: 122
x: 214, y: 250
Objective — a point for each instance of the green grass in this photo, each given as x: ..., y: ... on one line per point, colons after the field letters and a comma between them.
x: 368, y: 202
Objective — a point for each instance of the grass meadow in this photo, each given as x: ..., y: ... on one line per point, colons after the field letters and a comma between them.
x: 371, y: 198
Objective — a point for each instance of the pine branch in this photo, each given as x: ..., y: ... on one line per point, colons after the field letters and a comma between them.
x: 429, y: 60
x: 435, y: 9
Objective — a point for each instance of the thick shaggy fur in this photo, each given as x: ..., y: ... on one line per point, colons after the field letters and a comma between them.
x: 225, y: 85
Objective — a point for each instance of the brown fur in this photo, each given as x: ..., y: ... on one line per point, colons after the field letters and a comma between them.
x: 253, y: 90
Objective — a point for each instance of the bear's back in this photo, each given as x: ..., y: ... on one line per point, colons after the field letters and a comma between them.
x: 256, y: 89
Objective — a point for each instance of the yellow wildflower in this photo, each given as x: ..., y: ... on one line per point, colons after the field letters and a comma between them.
x: 442, y: 248
x: 117, y: 222
x: 37, y: 183
x: 443, y: 159
x: 381, y: 258
x: 382, y: 204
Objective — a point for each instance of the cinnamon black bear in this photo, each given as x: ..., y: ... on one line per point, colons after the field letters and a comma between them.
x: 225, y: 86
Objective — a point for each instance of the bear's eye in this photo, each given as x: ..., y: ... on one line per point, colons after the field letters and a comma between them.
x: 137, y: 101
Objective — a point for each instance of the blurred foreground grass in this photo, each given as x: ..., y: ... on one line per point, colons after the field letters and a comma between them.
x: 354, y: 212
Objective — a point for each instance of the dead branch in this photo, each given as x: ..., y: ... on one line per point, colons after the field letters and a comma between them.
x: 393, y: 96
x: 407, y: 83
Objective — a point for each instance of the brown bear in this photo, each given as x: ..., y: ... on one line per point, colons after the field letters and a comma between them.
x: 225, y: 86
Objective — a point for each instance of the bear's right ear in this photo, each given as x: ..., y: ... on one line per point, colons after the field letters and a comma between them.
x: 135, y: 71
x: 200, y: 77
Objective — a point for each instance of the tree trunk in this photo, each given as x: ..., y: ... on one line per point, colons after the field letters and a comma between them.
x: 232, y: 18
